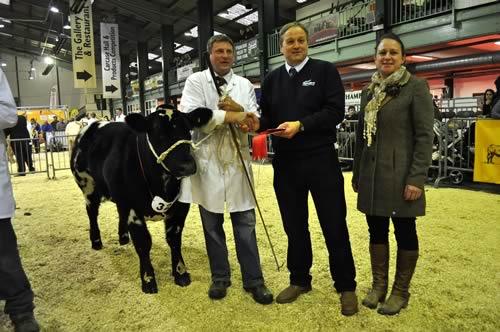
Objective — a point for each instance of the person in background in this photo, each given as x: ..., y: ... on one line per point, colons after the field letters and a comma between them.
x: 219, y: 184
x: 92, y: 118
x: 435, y: 107
x: 120, y: 117
x: 391, y: 161
x: 305, y: 98
x: 61, y: 125
x: 35, y: 132
x: 46, y: 128
x: 15, y: 288
x: 21, y: 145
x: 54, y: 123
x: 489, y: 94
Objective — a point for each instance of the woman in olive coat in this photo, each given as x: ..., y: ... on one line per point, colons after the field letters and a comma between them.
x: 393, y: 154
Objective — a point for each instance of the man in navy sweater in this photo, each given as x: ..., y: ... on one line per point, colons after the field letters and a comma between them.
x: 305, y: 97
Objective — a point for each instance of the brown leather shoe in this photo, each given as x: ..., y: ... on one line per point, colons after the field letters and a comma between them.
x: 349, y: 303
x: 291, y: 293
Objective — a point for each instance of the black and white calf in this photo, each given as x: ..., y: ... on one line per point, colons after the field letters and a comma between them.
x: 138, y: 165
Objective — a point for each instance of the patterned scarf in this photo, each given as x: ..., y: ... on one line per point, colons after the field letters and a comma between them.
x: 382, y: 90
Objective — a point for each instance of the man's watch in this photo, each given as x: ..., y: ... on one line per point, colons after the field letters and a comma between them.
x: 301, y: 126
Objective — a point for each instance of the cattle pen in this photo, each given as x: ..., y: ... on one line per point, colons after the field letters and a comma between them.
x: 78, y: 289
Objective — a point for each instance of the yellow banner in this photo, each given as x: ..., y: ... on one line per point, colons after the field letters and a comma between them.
x: 487, y: 151
x: 82, y: 47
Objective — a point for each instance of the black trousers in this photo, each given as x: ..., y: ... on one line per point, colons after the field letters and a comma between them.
x: 15, y: 288
x: 22, y: 150
x: 317, y: 172
x: 405, y: 230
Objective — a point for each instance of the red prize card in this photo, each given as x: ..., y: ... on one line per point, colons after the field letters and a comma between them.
x: 272, y: 130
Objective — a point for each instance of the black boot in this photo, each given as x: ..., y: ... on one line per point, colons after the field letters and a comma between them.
x: 406, y: 262
x: 379, y: 256
x: 25, y: 322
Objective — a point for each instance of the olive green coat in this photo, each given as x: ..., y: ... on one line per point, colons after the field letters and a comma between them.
x: 400, y: 153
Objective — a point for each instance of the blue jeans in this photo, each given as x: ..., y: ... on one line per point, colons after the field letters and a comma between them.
x: 246, y: 246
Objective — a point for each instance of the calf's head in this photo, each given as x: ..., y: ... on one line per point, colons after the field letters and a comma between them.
x: 168, y: 133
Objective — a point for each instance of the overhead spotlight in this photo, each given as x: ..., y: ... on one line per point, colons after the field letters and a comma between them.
x: 301, y: 1
x: 48, y: 60
x: 66, y: 25
x: 2, y: 26
x: 3, y: 64
x: 54, y: 9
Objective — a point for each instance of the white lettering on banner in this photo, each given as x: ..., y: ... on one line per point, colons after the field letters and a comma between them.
x: 82, y: 47
x: 110, y: 61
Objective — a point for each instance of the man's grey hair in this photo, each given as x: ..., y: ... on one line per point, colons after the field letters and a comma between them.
x: 290, y: 25
x: 218, y: 39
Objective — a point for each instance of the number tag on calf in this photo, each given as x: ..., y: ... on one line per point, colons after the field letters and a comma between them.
x: 159, y: 205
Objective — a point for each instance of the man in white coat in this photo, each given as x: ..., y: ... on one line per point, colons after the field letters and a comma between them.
x: 220, y: 182
x: 15, y: 288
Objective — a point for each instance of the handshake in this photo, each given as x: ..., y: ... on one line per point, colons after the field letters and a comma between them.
x: 247, y: 121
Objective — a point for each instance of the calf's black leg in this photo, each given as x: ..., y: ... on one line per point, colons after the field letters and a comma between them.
x: 123, y: 236
x: 142, y: 243
x: 174, y: 224
x: 93, y: 203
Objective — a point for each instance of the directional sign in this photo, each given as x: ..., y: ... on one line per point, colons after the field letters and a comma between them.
x: 82, y: 47
x: 110, y: 61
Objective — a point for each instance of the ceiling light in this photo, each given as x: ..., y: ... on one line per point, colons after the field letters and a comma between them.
x: 423, y: 57
x: 2, y: 25
x: 48, y: 60
x: 54, y: 9
x: 4, y: 64
x: 301, y: 1
x: 497, y: 43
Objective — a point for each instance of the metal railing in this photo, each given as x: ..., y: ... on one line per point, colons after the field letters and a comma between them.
x: 348, y: 20
x: 402, y: 11
x: 30, y: 155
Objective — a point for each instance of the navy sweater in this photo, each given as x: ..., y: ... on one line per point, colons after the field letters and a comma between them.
x: 315, y: 97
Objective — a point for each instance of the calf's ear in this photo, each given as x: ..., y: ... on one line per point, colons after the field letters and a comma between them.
x: 136, y: 121
x: 199, y: 117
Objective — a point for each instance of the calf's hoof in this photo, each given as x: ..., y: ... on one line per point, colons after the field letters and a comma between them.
x: 97, y: 245
x: 182, y: 280
x: 150, y: 287
x: 124, y: 239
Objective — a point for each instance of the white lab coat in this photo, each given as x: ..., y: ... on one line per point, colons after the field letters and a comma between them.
x: 8, y: 119
x: 220, y: 177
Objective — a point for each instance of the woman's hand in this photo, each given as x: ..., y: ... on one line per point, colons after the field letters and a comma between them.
x: 412, y: 193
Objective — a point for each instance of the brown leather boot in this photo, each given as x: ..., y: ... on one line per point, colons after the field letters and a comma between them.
x: 405, y: 266
x: 379, y: 256
x: 291, y: 293
x: 349, y: 303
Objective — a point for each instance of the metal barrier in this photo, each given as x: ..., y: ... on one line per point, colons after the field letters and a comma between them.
x: 409, y: 10
x: 28, y: 155
x: 452, y: 157
x: 352, y: 19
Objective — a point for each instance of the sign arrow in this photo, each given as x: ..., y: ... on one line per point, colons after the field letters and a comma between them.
x: 111, y: 88
x: 85, y: 75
